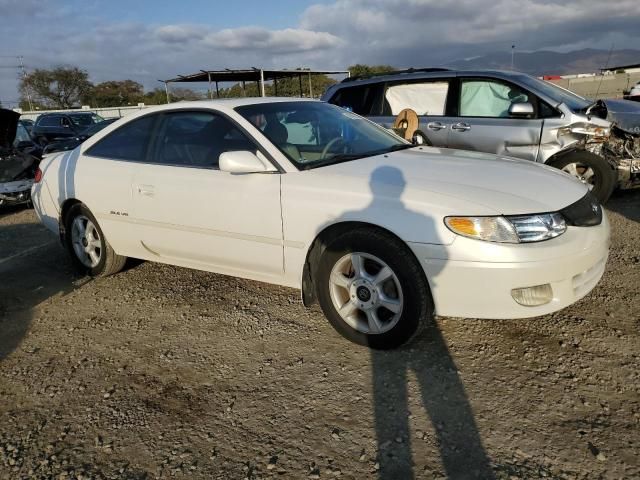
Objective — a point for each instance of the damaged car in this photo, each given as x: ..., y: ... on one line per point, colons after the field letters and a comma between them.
x: 19, y: 160
x: 505, y: 113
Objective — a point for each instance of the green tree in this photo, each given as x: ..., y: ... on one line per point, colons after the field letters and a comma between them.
x: 61, y: 87
x: 361, y: 70
x: 116, y: 93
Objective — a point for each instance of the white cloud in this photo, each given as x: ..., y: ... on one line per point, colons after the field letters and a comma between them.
x: 289, y: 40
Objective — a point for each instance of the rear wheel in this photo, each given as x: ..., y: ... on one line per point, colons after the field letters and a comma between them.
x: 591, y: 169
x: 87, y: 245
x: 372, y: 289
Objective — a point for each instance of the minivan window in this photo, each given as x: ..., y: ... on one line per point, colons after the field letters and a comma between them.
x: 425, y: 98
x: 488, y: 98
x: 128, y: 142
x: 362, y: 99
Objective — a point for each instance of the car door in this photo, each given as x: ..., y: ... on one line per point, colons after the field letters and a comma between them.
x: 484, y: 124
x: 189, y: 212
x: 102, y: 178
x: 429, y: 98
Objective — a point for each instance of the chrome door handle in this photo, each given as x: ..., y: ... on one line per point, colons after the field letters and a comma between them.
x: 146, y: 190
x: 435, y: 126
x: 461, y: 127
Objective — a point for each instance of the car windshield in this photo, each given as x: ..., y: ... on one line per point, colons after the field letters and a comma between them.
x: 315, y: 134
x: 575, y: 102
x: 85, y: 120
x: 22, y: 135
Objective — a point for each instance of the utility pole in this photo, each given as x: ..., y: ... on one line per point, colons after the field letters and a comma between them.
x: 513, y: 51
x: 26, y: 87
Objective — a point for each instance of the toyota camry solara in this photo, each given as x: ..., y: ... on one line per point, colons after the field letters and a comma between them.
x: 383, y: 234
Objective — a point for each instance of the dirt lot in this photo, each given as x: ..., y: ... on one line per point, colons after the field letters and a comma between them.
x: 163, y: 372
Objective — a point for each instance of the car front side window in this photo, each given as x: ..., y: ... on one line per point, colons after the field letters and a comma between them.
x: 196, y: 139
x: 488, y: 98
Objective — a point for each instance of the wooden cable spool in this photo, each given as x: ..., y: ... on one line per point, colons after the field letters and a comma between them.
x: 406, y: 123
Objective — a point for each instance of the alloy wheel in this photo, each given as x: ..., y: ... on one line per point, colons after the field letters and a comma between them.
x: 366, y: 293
x: 86, y: 241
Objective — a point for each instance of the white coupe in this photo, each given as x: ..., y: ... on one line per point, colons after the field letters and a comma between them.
x: 301, y: 193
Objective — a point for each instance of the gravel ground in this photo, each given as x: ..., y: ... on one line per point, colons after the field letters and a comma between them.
x: 163, y: 372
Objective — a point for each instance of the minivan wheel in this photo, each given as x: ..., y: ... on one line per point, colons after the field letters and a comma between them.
x: 87, y: 245
x: 591, y: 169
x: 372, y: 289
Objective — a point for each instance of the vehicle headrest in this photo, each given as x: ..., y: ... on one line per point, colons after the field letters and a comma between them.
x: 277, y: 132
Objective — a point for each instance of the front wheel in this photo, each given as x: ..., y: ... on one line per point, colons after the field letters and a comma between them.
x: 87, y: 245
x: 591, y: 169
x: 372, y: 289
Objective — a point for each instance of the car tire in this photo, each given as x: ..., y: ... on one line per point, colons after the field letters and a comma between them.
x: 591, y: 169
x: 89, y: 249
x: 405, y: 291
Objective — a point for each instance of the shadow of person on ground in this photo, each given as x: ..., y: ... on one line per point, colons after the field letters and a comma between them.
x: 443, y: 395
x: 626, y: 203
x: 27, y: 280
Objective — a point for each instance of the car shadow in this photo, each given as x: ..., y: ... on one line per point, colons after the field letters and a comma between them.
x: 442, y: 392
x: 26, y: 280
x: 626, y: 203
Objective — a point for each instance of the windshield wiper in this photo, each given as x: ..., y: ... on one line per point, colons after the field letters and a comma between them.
x: 400, y: 146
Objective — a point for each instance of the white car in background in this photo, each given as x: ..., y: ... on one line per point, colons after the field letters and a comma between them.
x: 308, y: 195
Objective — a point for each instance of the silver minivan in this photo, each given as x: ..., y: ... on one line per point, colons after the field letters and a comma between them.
x: 507, y: 113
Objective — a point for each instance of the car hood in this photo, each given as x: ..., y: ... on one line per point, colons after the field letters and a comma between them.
x: 624, y: 114
x: 8, y: 127
x: 481, y: 183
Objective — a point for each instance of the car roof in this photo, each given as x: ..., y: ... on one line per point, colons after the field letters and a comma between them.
x: 417, y: 74
x: 231, y: 102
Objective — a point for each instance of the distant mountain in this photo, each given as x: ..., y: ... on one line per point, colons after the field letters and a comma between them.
x: 550, y: 63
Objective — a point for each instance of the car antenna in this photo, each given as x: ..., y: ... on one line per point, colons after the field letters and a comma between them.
x: 606, y: 65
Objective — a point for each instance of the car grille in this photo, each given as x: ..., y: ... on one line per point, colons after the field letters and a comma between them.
x: 586, y: 212
x: 585, y: 281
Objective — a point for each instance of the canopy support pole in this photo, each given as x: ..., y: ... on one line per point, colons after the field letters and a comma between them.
x: 166, y: 89
x: 262, y: 83
x: 310, y: 87
x: 217, y: 90
x: 300, y: 82
x: 244, y: 88
x: 210, y: 90
x: 275, y: 86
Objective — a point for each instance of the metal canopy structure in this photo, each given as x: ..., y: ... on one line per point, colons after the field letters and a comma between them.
x: 242, y: 76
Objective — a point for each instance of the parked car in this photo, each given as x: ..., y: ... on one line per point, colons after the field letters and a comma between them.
x: 508, y: 113
x: 69, y: 143
x: 634, y: 93
x: 308, y: 195
x: 50, y: 126
x: 19, y: 158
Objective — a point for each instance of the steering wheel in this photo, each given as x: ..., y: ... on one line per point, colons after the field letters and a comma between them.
x: 330, y: 144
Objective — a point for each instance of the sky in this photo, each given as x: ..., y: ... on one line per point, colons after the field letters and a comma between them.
x: 147, y: 40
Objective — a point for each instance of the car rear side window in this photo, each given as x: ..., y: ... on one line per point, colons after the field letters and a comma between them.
x: 128, y: 142
x: 362, y: 99
x: 196, y: 139
x: 425, y: 98
x: 49, y: 121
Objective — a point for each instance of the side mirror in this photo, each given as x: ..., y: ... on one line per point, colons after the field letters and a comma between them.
x: 244, y: 161
x: 521, y: 109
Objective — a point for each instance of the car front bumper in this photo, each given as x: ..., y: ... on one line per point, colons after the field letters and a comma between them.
x: 474, y: 279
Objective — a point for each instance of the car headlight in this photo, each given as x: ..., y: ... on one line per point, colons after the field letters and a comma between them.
x: 509, y: 229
